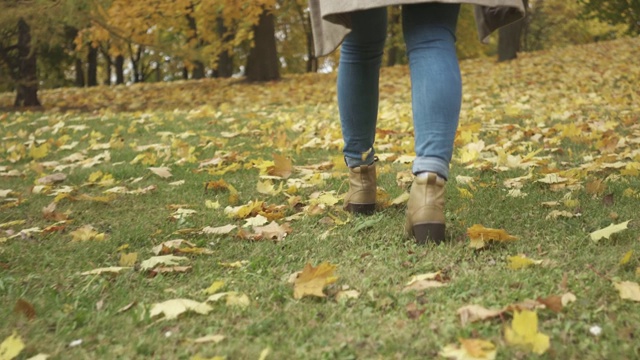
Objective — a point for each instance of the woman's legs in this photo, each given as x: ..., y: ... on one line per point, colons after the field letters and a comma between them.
x: 358, y: 78
x: 436, y: 88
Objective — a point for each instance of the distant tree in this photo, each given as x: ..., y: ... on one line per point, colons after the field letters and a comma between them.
x: 615, y: 12
x: 262, y: 62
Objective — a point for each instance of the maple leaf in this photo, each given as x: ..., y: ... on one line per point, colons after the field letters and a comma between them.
x: 523, y: 332
x: 220, y: 230
x: 479, y: 235
x: 470, y: 349
x: 628, y: 290
x: 608, y: 231
x: 273, y: 231
x: 282, y: 166
x: 312, y: 280
x: 424, y: 281
x: 171, y: 309
x: 11, y: 347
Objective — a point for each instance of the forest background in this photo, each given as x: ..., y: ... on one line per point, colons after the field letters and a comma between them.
x: 51, y: 44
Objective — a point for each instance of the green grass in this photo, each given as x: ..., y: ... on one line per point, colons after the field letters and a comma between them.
x: 44, y: 269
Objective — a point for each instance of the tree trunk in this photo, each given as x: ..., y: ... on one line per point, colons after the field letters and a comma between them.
x: 108, y: 67
x: 509, y: 38
x: 198, y: 70
x: 27, y: 80
x: 224, y: 68
x: 312, y: 60
x: 92, y: 66
x: 262, y: 62
x: 79, y: 73
x: 394, y: 25
x: 119, y: 69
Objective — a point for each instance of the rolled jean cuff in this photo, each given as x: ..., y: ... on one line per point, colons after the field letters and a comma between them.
x: 431, y: 164
x: 355, y: 162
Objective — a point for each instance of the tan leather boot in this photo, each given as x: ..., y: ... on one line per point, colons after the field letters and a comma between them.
x: 361, y: 197
x: 425, y: 209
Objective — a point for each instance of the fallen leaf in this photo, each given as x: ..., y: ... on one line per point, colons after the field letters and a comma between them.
x: 273, y: 231
x: 128, y: 259
x: 171, y: 309
x: 11, y: 347
x: 523, y: 332
x: 473, y: 313
x: 626, y: 257
x: 312, y: 280
x: 214, y: 287
x: 344, y: 295
x: 608, y: 231
x: 413, y: 311
x: 628, y: 290
x: 51, y: 179
x: 209, y: 339
x: 86, y: 233
x: 233, y: 298
x: 521, y: 261
x: 170, y: 269
x: 264, y: 353
x: 220, y: 230
x: 479, y: 235
x: 26, y: 308
x: 470, y: 349
x: 164, y: 172
x: 105, y: 270
x: 154, y: 261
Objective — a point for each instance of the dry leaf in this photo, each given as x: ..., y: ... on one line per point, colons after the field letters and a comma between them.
x: 470, y: 349
x: 51, y: 179
x: 170, y: 269
x: 11, y: 347
x: 523, y: 332
x: 154, y: 261
x: 473, y: 313
x: 26, y: 308
x: 209, y: 339
x: 105, y: 270
x: 628, y: 290
x: 608, y: 231
x: 273, y: 231
x: 479, y: 235
x: 164, y: 172
x: 344, y: 295
x: 215, y: 286
x: 626, y: 257
x: 312, y: 280
x: 86, y: 233
x: 233, y: 298
x: 220, y: 230
x: 172, y: 308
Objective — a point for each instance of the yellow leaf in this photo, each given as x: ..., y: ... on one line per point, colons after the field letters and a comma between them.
x: 520, y: 262
x: 209, y: 338
x: 209, y: 204
x: 608, y: 231
x: 264, y: 353
x: 524, y: 332
x: 154, y: 261
x: 629, y: 290
x: 172, y: 308
x: 220, y: 230
x: 470, y: 349
x: 11, y: 347
x: 215, y: 286
x: 626, y: 258
x: 465, y: 194
x: 478, y: 235
x: 282, y: 166
x: 128, y: 259
x: 38, y: 152
x: 85, y: 233
x: 312, y: 280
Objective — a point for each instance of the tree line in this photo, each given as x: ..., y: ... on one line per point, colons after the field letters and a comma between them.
x: 45, y: 43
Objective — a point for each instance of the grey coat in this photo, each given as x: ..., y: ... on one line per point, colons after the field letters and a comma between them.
x: 331, y: 20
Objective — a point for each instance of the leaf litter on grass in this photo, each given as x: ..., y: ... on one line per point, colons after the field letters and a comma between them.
x: 520, y: 137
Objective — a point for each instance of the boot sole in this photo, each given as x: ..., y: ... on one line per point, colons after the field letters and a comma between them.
x: 428, y: 232
x: 362, y: 209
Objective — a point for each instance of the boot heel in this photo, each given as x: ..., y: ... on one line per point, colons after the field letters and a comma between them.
x: 363, y: 209
x: 428, y: 232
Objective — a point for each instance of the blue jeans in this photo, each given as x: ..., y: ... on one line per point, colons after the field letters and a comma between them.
x: 436, y: 87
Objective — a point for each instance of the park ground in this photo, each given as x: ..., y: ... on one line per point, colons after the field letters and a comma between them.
x: 202, y: 219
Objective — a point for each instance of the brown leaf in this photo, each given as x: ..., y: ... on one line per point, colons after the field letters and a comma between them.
x: 413, y: 312
x: 51, y: 179
x: 25, y: 308
x: 282, y: 166
x: 472, y: 313
x: 553, y: 303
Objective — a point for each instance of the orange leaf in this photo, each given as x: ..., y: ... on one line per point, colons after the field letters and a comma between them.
x: 312, y: 280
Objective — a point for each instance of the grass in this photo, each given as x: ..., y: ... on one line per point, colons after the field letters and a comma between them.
x: 534, y: 103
